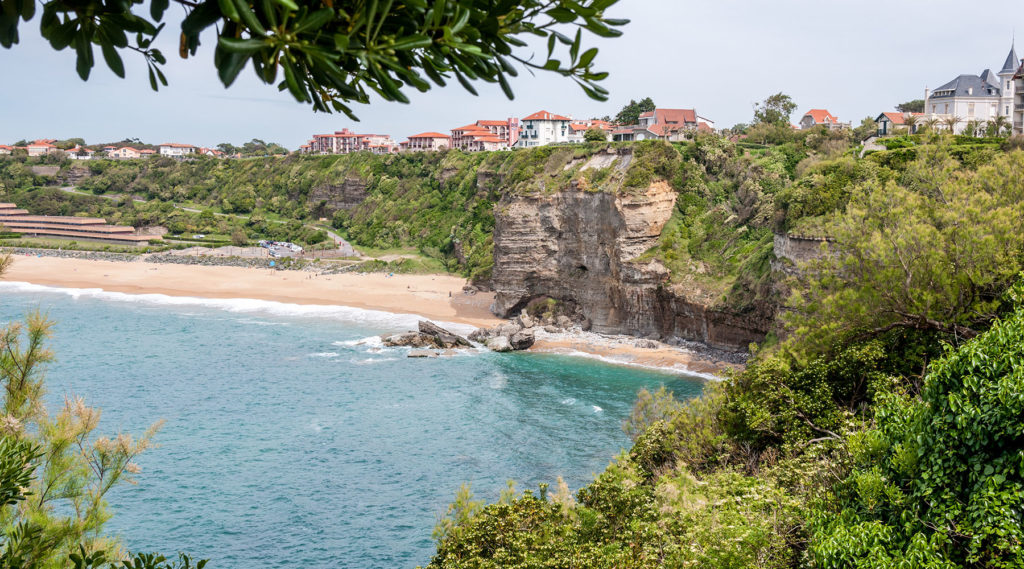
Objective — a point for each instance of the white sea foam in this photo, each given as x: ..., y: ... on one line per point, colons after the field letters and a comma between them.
x: 324, y: 355
x: 596, y: 408
x: 497, y: 380
x: 369, y: 342
x: 371, y: 361
x: 612, y: 360
x: 569, y: 401
x: 374, y: 318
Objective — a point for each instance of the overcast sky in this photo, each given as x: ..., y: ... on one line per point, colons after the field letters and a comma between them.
x: 855, y: 58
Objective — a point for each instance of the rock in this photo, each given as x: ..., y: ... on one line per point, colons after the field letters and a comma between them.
x: 552, y: 329
x: 499, y: 344
x: 525, y: 321
x: 563, y: 321
x: 522, y: 340
x: 508, y: 329
x: 410, y: 339
x: 422, y: 354
x: 479, y: 335
x: 581, y: 247
x: 445, y: 338
x: 646, y: 344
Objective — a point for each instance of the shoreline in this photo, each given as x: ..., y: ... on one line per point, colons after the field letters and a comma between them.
x: 434, y: 297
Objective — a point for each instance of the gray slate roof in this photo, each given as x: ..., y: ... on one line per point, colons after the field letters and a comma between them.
x: 1011, y: 61
x: 973, y: 84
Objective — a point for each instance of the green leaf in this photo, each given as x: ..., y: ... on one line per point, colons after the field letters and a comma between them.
x: 290, y: 4
x: 157, y: 9
x: 237, y: 45
x: 314, y: 21
x: 414, y: 41
x: 561, y: 15
x: 113, y: 59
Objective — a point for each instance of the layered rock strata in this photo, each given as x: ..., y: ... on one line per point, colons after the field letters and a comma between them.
x: 580, y: 246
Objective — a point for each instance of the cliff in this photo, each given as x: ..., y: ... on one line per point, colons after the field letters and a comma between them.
x: 581, y: 247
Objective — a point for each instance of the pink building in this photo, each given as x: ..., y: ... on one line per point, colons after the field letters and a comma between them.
x: 495, y: 134
x: 345, y: 141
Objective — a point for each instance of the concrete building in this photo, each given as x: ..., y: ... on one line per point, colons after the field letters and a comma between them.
x: 427, y: 141
x: 345, y: 141
x: 486, y: 135
x: 124, y: 153
x: 68, y: 227
x: 40, y: 147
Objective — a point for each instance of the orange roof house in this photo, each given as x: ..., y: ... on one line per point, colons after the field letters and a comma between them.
x: 818, y: 117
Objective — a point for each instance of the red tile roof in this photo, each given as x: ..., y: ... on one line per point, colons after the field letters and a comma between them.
x: 821, y: 116
x: 673, y: 116
x: 492, y: 123
x: 41, y: 143
x: 896, y: 118
x: 177, y: 145
x: 430, y: 135
x: 545, y: 116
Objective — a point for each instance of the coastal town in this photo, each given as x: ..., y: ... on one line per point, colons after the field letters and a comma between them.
x: 464, y: 284
x: 987, y: 103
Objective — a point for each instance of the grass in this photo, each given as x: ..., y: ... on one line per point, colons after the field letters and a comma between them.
x: 45, y: 243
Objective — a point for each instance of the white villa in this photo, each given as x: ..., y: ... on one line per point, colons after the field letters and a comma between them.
x: 975, y: 98
x: 175, y: 149
x: 543, y: 128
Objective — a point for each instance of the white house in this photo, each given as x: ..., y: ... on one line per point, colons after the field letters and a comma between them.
x: 978, y: 98
x: 1018, y: 100
x: 5, y: 150
x: 175, y: 150
x: 79, y: 153
x: 542, y: 128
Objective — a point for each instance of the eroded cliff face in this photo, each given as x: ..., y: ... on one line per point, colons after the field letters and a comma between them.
x: 327, y: 199
x: 581, y: 246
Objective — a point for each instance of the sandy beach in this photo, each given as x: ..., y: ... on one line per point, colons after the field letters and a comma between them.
x: 435, y: 297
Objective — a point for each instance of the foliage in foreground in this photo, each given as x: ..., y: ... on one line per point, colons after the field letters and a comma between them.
x: 55, y: 471
x: 887, y: 432
x: 330, y: 54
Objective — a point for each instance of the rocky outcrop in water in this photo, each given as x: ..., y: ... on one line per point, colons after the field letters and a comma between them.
x: 583, y: 247
x: 429, y: 335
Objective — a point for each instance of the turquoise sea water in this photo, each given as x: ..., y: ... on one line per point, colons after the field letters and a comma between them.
x: 288, y: 443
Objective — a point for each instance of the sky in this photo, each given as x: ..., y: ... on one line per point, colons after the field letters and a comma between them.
x: 856, y: 58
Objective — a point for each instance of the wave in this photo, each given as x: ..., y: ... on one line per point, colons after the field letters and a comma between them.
x: 368, y: 317
x: 324, y: 355
x: 678, y: 369
x: 369, y: 342
x: 371, y: 361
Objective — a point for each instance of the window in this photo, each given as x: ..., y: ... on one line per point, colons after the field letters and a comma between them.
x: 970, y: 109
x: 945, y: 110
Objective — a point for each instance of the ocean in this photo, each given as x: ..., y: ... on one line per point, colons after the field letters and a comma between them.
x: 293, y: 440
